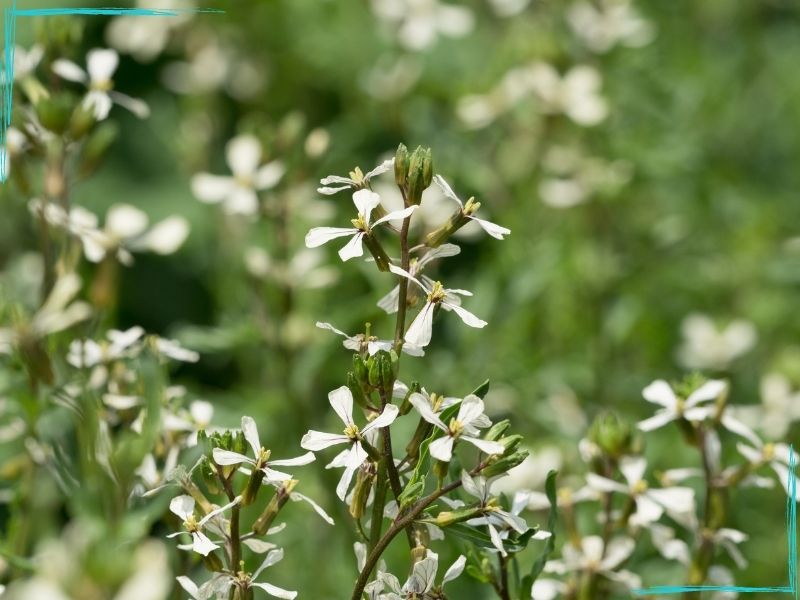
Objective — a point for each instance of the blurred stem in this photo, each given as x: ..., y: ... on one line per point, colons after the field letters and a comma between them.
x: 502, y: 589
x: 402, y: 298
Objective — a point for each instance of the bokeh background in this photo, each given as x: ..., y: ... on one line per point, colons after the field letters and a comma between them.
x: 644, y: 156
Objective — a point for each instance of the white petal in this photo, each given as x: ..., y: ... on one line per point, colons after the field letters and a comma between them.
x: 467, y: 317
x: 297, y: 497
x: 647, y: 511
x: 474, y: 486
x: 201, y: 544
x: 496, y: 540
x: 751, y: 454
x: 493, y: 229
x: 274, y: 590
x: 274, y: 557
x: 455, y: 569
x: 319, y: 440
x: 226, y: 457
x: 384, y: 419
x: 99, y: 103
x: 471, y: 409
x: 734, y: 425
x: 604, y: 484
x: 330, y: 327
x: 322, y: 235
x: 212, y: 188
x: 674, y: 499
x: 422, y: 405
x: 305, y: 459
x: 243, y: 154
x: 136, y: 105
x: 633, y: 469
x: 189, y: 586
x: 446, y: 189
x: 661, y: 418
x: 66, y: 69
x: 125, y: 221
x: 660, y: 392
x: 381, y: 168
x: 397, y: 215
x: 241, y: 201
x: 442, y: 448
x: 366, y: 201
x: 421, y: 329
x: 389, y: 302
x: 618, y: 550
x: 403, y: 273
x: 251, y: 434
x: 353, y: 248
x: 182, y: 506
x: 344, y: 482
x: 269, y: 175
x: 710, y: 390
x: 166, y: 236
x: 341, y: 400
x: 486, y: 446
x: 101, y: 64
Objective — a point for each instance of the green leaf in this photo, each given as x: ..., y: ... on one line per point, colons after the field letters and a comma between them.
x: 550, y: 545
x: 482, y: 390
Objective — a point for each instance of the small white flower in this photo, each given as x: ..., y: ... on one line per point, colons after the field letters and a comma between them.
x: 777, y: 457
x: 780, y: 407
x: 592, y: 557
x: 101, y: 64
x: 26, y: 61
x: 366, y: 201
x: 575, y: 94
x: 420, y: 331
x: 145, y: 39
x: 464, y: 426
x: 651, y: 503
x: 89, y: 353
x: 422, y: 579
x: 356, y: 181
x: 469, y: 208
x: 372, y: 345
x: 390, y: 301
x: 673, y: 407
x: 707, y: 347
x: 603, y: 25
x: 341, y: 400
x: 261, y: 460
x: 172, y: 349
x: 183, y: 507
x: 239, y: 193
x: 420, y: 22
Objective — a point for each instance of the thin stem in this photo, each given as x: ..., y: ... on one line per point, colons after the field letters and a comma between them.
x: 402, y: 298
x: 503, y: 590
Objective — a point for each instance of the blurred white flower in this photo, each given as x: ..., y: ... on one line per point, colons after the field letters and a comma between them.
x: 651, y: 503
x: 779, y: 408
x: 261, y: 460
x: 464, y: 426
x: 89, y: 353
x: 778, y: 457
x: 206, y: 70
x: 420, y: 22
x: 366, y: 201
x: 306, y: 269
x: 420, y: 331
x: 26, y: 61
x: 673, y: 407
x: 239, y: 193
x: 508, y: 8
x: 391, y: 78
x: 422, y: 580
x: 341, y: 400
x: 594, y: 557
x: 145, y: 38
x: 707, y: 347
x: 101, y: 63
x: 602, y: 25
x: 183, y: 507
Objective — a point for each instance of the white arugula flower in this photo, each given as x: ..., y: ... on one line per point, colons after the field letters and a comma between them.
x: 464, y: 426
x: 390, y: 301
x: 778, y: 457
x: 356, y: 181
x: 674, y: 408
x: 239, y: 193
x: 101, y: 63
x: 469, y: 208
x: 183, y: 507
x: 341, y: 400
x: 360, y: 342
x: 366, y: 201
x: 261, y: 460
x: 420, y: 331
x: 651, y: 503
x: 594, y: 557
x: 422, y: 579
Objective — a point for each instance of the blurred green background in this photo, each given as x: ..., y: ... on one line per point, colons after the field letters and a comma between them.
x: 681, y: 201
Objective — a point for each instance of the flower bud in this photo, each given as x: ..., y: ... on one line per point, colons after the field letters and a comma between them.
x: 614, y: 436
x: 511, y: 443
x: 253, y: 486
x: 451, y: 517
x: 420, y: 173
x: 360, y: 370
x: 427, y: 168
x: 387, y: 373
x: 364, y: 480
x: 401, y: 165
x: 505, y: 464
x: 374, y: 365
x: 497, y: 430
x: 54, y: 112
x: 355, y: 388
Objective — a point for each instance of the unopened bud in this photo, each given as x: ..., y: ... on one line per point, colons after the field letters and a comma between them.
x: 505, y: 464
x: 356, y: 389
x: 511, y: 443
x: 401, y: 165
x: 497, y: 430
x: 451, y: 517
x: 613, y: 435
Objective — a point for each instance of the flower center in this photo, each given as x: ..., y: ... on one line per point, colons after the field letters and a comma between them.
x: 768, y: 451
x: 191, y: 524
x: 103, y: 85
x: 262, y: 458
x: 360, y: 223
x: 357, y: 176
x: 437, y: 293
x: 352, y: 432
x: 640, y: 487
x: 471, y: 207
x: 455, y: 427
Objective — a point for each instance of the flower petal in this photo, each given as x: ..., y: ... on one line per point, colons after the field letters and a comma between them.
x: 447, y: 190
x: 386, y: 418
x: 101, y: 64
x: 212, y: 188
x: 421, y: 329
x: 493, y: 229
x: 425, y: 410
x: 226, y: 457
x: 322, y: 235
x: 319, y: 440
x: 352, y: 249
x: 243, y: 154
x: 66, y: 69
x: 467, y: 317
x: 269, y: 175
x: 341, y: 400
x: 442, y: 448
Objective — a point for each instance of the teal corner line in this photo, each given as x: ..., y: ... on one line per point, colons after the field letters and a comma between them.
x: 10, y: 15
x: 791, y: 537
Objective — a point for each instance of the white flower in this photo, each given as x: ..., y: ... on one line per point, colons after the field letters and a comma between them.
x: 545, y: 588
x: 371, y: 344
x: 778, y: 457
x: 172, y: 349
x: 499, y: 522
x: 592, y: 557
x: 678, y: 502
x: 144, y: 38
x: 26, y: 61
x: 420, y: 331
x: 183, y: 507
x: 341, y: 400
x: 607, y: 24
x: 575, y: 94
x: 707, y: 347
x: 464, y: 426
x: 261, y: 460
x: 780, y: 407
x: 420, y: 22
x: 390, y: 301
x: 366, y: 201
x: 673, y: 408
x: 469, y: 208
x: 100, y: 67
x: 238, y: 193
x: 356, y: 181
x: 422, y: 579
x: 89, y: 353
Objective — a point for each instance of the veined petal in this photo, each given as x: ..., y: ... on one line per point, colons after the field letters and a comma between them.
x: 442, y: 448
x: 497, y: 541
x: 447, y: 190
x: 322, y: 235
x: 201, y: 544
x: 443, y: 251
x: 274, y: 590
x: 319, y: 440
x: 366, y: 201
x: 226, y: 457
x: 403, y: 273
x: 486, y: 446
x: 330, y: 327
x: 384, y: 419
x: 274, y: 557
x: 272, y: 475
x: 182, y: 506
x: 471, y: 408
x: 422, y: 405
x: 455, y: 569
x: 397, y: 215
x: 390, y: 301
x: 298, y: 497
x: 251, y: 434
x: 421, y: 329
x: 381, y: 168
x: 305, y: 459
x: 467, y: 317
x: 493, y: 229
x: 212, y: 188
x: 341, y: 400
x: 189, y: 586
x: 354, y: 248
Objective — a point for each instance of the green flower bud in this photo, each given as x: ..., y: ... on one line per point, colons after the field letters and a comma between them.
x: 614, y: 436
x: 374, y: 365
x: 360, y: 370
x: 505, y: 464
x: 511, y: 443
x: 54, y: 112
x: 497, y: 430
x: 451, y: 517
x: 387, y: 374
x: 401, y: 165
x: 427, y: 168
x: 253, y: 487
x: 416, y: 175
x: 356, y: 389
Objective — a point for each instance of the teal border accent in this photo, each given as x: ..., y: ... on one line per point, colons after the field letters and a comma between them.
x: 791, y: 536
x: 9, y: 32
